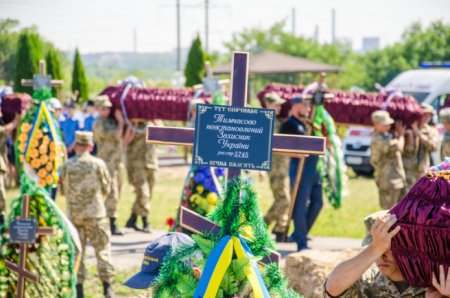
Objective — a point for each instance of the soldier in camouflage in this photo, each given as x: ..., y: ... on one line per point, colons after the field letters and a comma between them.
x: 386, y: 159
x: 107, y: 136
x: 85, y: 182
x: 354, y: 278
x: 420, y: 142
x: 444, y: 116
x: 142, y: 163
x: 279, y: 178
x: 5, y: 130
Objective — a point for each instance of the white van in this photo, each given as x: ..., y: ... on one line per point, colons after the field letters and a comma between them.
x: 430, y: 86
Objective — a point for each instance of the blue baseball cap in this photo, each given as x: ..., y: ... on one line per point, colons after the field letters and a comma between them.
x: 154, y: 256
x: 297, y: 98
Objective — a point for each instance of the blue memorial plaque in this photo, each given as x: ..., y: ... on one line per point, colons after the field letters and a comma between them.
x: 22, y: 231
x: 233, y: 137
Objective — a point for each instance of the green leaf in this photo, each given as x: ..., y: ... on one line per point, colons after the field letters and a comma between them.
x: 187, y: 285
x: 205, y: 245
x: 229, y: 284
x: 240, y: 267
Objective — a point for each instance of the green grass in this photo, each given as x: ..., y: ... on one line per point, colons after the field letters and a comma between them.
x: 362, y: 199
x: 347, y: 221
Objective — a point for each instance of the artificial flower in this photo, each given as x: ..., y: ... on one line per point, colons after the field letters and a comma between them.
x: 25, y: 127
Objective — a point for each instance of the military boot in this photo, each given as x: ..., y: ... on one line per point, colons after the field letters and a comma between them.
x: 279, y: 236
x: 131, y: 223
x: 107, y: 290
x: 145, y: 225
x: 114, y: 230
x: 80, y: 291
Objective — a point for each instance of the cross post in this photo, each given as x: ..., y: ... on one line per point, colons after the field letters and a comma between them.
x: 41, y: 80
x: 20, y: 269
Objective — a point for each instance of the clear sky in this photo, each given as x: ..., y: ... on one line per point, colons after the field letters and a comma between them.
x: 107, y: 25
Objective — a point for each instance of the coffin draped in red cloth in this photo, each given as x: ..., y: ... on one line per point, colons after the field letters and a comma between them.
x: 423, y: 242
x: 353, y: 108
x: 13, y: 104
x: 153, y: 103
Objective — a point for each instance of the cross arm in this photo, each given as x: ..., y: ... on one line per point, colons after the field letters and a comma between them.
x: 15, y: 268
x: 281, y: 143
x: 29, y: 83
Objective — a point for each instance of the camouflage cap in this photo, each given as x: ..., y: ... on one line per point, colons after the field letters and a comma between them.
x: 368, y: 222
x: 428, y: 109
x: 84, y: 138
x: 104, y: 103
x: 382, y: 117
x: 273, y: 97
x: 444, y: 115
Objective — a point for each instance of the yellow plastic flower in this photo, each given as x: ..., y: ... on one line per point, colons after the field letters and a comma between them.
x: 38, y: 134
x: 44, y: 159
x: 34, y: 153
x: 200, y: 188
x: 25, y: 127
x: 46, y: 140
x: 247, y: 232
x: 21, y: 158
x: 42, y: 173
x: 23, y: 137
x: 35, y: 163
x: 42, y: 182
x: 22, y: 147
x: 34, y: 143
x: 43, y: 149
x: 51, y: 156
x: 49, y: 179
x: 212, y: 198
x: 49, y: 166
x: 52, y: 146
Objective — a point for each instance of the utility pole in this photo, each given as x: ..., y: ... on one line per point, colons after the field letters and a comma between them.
x: 333, y: 26
x: 293, y: 20
x: 206, y: 26
x: 134, y: 40
x: 178, y: 37
x: 316, y: 33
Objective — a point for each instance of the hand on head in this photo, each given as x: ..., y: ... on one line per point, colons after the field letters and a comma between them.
x: 381, y: 236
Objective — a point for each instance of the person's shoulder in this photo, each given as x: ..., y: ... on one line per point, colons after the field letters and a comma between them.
x: 95, y: 160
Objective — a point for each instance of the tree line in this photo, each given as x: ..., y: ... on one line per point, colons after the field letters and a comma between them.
x: 21, y: 50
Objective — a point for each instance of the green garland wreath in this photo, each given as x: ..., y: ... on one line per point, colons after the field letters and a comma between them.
x: 51, y: 258
x: 238, y: 212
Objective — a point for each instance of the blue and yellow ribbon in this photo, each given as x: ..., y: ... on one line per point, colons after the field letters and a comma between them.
x: 218, y: 262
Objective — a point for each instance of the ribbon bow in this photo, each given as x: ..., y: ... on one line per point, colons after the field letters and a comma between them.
x: 218, y: 262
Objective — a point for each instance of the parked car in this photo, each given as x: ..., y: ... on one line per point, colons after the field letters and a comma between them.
x: 430, y: 86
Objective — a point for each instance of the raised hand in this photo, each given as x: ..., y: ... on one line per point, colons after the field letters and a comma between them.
x: 381, y: 237
x: 443, y: 285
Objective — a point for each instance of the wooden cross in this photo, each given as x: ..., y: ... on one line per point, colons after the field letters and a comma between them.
x: 41, y: 80
x: 239, y: 83
x: 22, y: 272
x: 316, y: 98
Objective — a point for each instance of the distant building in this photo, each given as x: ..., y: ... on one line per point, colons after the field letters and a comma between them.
x: 370, y: 44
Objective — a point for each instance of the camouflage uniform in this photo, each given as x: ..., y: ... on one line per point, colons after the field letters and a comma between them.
x: 374, y: 284
x: 142, y: 163
x: 445, y: 149
x: 416, y: 157
x: 3, y: 169
x: 279, y: 183
x: 109, y: 149
x: 85, y: 183
x: 389, y: 173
